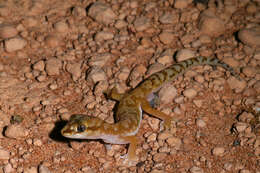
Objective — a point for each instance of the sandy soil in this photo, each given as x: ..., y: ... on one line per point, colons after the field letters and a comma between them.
x: 58, y: 57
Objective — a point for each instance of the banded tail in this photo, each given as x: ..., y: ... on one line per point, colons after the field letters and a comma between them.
x: 166, y: 75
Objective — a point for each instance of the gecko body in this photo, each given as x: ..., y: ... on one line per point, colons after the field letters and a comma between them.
x: 129, y: 111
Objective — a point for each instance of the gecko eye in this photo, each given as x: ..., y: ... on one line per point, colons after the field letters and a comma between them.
x: 81, y: 128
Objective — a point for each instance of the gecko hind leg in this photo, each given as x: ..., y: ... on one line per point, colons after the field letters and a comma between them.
x: 166, y: 118
x: 131, y: 156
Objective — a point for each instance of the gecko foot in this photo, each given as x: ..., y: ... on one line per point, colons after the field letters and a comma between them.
x: 167, y: 124
x: 129, y: 161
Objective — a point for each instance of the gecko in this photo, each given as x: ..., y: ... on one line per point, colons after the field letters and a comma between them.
x: 131, y: 104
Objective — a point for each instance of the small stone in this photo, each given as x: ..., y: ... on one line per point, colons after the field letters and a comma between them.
x: 190, y: 93
x: 16, y: 131
x: 7, y: 31
x: 61, y: 27
x: 123, y: 73
x: 52, y: 41
x: 167, y: 93
x: 8, y: 168
x: 250, y: 36
x: 74, y: 69
x: 218, y: 151
x: 196, y: 169
x: 174, y: 142
x: 43, y: 169
x: 184, y: 54
x: 29, y: 22
x: 241, y: 126
x: 231, y: 61
x: 205, y: 39
x: 4, y: 154
x: 142, y: 24
x: 96, y: 74
x: 79, y: 11
x: 244, y: 171
x: 39, y: 65
x: 102, y: 13
x: 100, y: 59
x: 211, y: 25
x: 104, y: 35
x: 159, y: 157
x: 53, y: 66
x: 249, y: 71
x: 164, y: 135
x: 167, y: 37
x: 181, y: 4
x: 120, y: 24
x: 200, y: 123
x: 37, y: 142
x: 238, y: 85
x: 169, y: 18
x: 14, y: 44
x: 30, y: 170
x: 152, y: 137
x: 198, y: 103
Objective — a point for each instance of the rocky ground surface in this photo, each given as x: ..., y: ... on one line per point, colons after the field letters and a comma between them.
x: 58, y: 57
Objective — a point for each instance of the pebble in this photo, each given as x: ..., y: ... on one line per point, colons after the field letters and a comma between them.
x: 104, y: 35
x: 53, y: 66
x: 167, y: 37
x: 152, y: 137
x: 7, y: 31
x: 190, y: 93
x: 200, y: 123
x: 14, y: 44
x: 164, y: 135
x: 74, y: 69
x: 8, y: 168
x: 99, y: 59
x: 61, y: 27
x: 198, y: 103
x: 52, y: 41
x: 184, y: 54
x: 166, y: 57
x: 120, y: 24
x: 205, y: 39
x: 249, y: 71
x: 16, y: 131
x: 232, y: 62
x: 4, y: 154
x: 30, y: 170
x: 241, y: 126
x: 196, y: 169
x: 29, y: 22
x: 39, y: 65
x: 142, y: 24
x: 211, y: 25
x: 43, y: 169
x: 181, y: 4
x: 159, y: 157
x: 96, y: 74
x: 102, y: 13
x: 174, y: 142
x: 167, y: 93
x: 169, y: 18
x: 236, y: 84
x: 37, y: 142
x: 244, y: 171
x: 250, y: 36
x: 78, y: 11
x: 218, y: 151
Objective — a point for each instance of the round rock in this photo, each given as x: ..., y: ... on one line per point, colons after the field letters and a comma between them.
x: 250, y: 36
x: 14, y: 44
x: 184, y: 54
x: 7, y: 31
x: 102, y: 13
x: 16, y: 131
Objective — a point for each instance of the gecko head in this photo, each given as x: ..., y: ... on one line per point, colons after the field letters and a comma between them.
x: 82, y: 127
